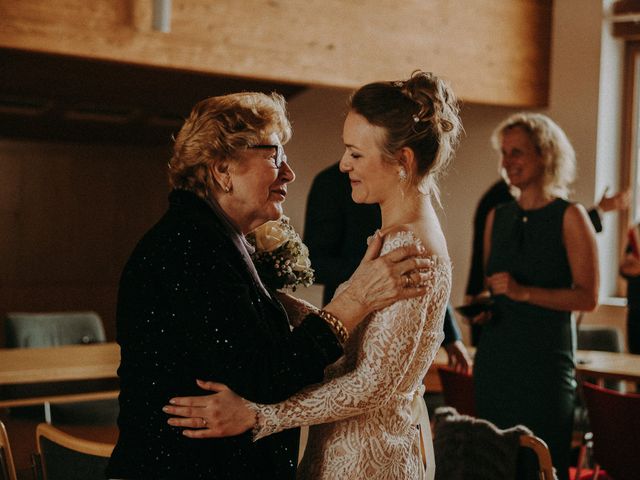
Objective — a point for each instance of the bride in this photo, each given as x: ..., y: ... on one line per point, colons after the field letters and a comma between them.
x: 368, y: 416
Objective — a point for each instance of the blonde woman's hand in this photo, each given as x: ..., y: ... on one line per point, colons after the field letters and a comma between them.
x: 502, y: 283
x: 630, y: 266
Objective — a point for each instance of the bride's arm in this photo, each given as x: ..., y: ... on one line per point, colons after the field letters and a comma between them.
x: 389, y: 347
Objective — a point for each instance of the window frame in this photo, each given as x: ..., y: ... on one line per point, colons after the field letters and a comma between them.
x: 629, y: 146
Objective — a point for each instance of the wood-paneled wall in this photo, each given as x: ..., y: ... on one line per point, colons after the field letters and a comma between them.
x: 69, y: 217
x: 494, y: 51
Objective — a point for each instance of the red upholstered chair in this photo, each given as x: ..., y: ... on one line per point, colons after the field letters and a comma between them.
x: 457, y: 389
x: 614, y: 418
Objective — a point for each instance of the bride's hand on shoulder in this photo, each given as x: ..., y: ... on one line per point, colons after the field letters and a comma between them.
x: 222, y: 414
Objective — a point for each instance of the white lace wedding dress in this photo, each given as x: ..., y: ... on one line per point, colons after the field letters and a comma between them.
x: 368, y: 415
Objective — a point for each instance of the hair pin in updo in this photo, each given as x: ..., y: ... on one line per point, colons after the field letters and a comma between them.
x: 398, y: 83
x: 416, y: 118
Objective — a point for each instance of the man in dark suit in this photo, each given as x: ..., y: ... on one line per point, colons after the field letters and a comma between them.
x: 336, y: 230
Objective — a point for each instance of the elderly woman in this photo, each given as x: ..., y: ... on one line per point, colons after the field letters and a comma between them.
x: 541, y: 262
x: 191, y: 305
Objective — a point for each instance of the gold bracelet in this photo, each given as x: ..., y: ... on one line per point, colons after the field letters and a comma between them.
x: 336, y: 325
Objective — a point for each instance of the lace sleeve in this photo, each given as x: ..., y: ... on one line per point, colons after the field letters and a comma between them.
x: 389, y: 345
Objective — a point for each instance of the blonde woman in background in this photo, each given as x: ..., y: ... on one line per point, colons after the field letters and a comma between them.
x: 541, y: 264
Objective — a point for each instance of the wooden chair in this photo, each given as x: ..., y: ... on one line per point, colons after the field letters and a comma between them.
x: 467, y: 448
x: 457, y: 390
x: 7, y: 467
x: 614, y: 418
x: 540, y: 448
x: 62, y: 456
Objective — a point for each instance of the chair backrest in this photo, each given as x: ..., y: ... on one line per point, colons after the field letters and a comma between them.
x: 599, y: 337
x: 65, y: 457
x: 602, y: 338
x: 541, y: 449
x: 457, y: 389
x: 7, y: 467
x: 53, y: 329
x: 615, y: 423
x: 468, y: 448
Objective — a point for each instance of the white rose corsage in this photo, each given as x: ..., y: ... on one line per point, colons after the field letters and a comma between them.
x: 281, y: 259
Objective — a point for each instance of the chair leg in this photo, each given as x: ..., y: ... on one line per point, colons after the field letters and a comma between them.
x: 36, y: 466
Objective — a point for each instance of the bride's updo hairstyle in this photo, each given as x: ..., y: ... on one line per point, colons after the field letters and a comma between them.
x: 420, y: 113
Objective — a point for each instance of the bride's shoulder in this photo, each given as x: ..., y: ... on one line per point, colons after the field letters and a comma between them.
x: 406, y: 234
x: 399, y: 236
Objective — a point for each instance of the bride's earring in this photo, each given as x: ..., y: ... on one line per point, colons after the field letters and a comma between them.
x: 402, y: 174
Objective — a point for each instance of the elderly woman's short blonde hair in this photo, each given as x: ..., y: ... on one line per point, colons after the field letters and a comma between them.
x: 217, y: 129
x: 551, y: 143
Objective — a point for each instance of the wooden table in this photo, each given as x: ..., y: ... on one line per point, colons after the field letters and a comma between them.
x: 608, y: 365
x: 57, y: 364
x: 86, y: 362
x: 591, y: 363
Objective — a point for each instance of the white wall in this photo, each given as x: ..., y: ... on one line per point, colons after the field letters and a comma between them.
x: 584, y: 100
x: 586, y: 79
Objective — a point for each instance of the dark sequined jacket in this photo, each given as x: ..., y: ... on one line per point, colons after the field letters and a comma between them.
x: 189, y: 308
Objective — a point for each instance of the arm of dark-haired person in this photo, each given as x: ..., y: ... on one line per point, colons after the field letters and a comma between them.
x: 457, y: 354
x: 450, y: 327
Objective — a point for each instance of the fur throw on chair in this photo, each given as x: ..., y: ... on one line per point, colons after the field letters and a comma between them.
x: 468, y: 448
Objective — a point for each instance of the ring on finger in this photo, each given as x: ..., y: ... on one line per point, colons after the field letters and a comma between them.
x: 406, y: 281
x: 204, y: 421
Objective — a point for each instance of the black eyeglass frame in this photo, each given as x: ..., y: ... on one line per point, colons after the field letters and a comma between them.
x: 279, y: 159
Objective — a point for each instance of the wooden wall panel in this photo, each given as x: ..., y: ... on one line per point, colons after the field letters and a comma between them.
x: 70, y: 216
x: 493, y: 51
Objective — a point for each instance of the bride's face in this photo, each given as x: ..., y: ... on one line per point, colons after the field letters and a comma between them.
x: 372, y: 178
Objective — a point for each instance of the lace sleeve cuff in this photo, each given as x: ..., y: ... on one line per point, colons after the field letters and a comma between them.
x: 265, y: 424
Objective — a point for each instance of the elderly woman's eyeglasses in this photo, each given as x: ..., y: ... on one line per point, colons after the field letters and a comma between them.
x: 279, y: 156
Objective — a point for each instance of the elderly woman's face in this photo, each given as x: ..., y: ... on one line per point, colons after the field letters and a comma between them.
x: 520, y: 159
x: 259, y: 178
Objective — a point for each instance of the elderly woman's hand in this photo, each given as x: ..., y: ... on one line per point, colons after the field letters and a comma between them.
x: 380, y: 281
x: 223, y: 414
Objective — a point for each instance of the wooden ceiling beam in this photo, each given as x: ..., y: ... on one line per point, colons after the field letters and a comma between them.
x: 493, y: 51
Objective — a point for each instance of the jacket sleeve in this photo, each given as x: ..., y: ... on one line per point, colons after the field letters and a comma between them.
x: 235, y: 336
x: 408, y: 331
